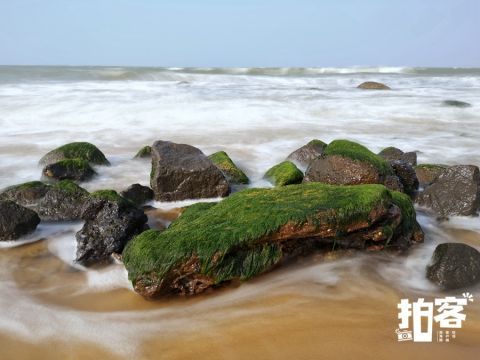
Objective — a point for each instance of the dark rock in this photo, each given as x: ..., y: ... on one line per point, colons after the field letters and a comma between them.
x: 307, y: 153
x: 182, y: 172
x: 70, y: 169
x: 406, y: 173
x: 76, y: 150
x: 110, y: 222
x: 428, y: 173
x: 455, y: 192
x: 372, y: 85
x: 392, y: 154
x: 454, y: 265
x: 138, y: 194
x: 392, y: 182
x: 456, y: 103
x: 27, y: 194
x: 16, y: 220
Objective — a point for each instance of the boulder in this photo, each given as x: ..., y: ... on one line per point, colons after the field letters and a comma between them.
x: 110, y: 222
x: 254, y: 230
x: 27, y: 194
x: 348, y: 163
x: 307, y: 153
x: 456, y: 103
x: 181, y: 172
x: 392, y: 154
x: 138, y: 194
x: 285, y: 173
x: 75, y: 150
x: 406, y: 173
x: 69, y: 169
x: 454, y: 265
x: 16, y: 220
x: 455, y: 192
x: 144, y: 152
x: 232, y: 172
x: 372, y: 85
x: 428, y: 173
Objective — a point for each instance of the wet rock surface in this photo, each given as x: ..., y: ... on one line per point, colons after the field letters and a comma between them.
x: 138, y: 194
x: 16, y: 220
x: 307, y: 153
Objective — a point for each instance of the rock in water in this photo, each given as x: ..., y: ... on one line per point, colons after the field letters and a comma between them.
x: 456, y: 103
x: 455, y: 192
x: 69, y: 169
x: 232, y: 172
x: 372, y: 85
x: 110, y: 222
x: 138, y: 194
x: 393, y: 154
x: 145, y: 152
x: 454, y: 265
x: 428, y: 173
x: 27, y: 194
x: 16, y: 220
x: 253, y: 230
x: 307, y: 153
x: 406, y: 173
x: 285, y: 173
x: 76, y: 150
x: 181, y: 172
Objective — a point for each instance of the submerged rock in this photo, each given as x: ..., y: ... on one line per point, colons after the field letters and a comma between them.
x: 110, y: 222
x: 393, y: 154
x: 454, y: 265
x: 144, y: 152
x: 76, y: 150
x: 254, y: 230
x: 232, y: 172
x: 69, y: 169
x: 181, y: 172
x: 307, y: 153
x: 285, y: 173
x: 428, y: 173
x: 16, y: 220
x: 372, y: 85
x: 455, y: 192
x: 456, y: 103
x: 138, y: 194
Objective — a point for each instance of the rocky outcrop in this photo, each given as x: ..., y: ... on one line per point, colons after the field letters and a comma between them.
x: 110, y: 222
x: 232, y: 172
x: 138, y: 194
x: 455, y: 192
x: 406, y: 174
x: 76, y: 150
x: 456, y: 103
x: 16, y: 220
x: 307, y: 153
x: 285, y: 173
x: 428, y: 173
x: 394, y: 154
x: 454, y: 265
x: 144, y: 153
x: 254, y: 230
x: 69, y: 169
x: 182, y: 172
x: 372, y: 85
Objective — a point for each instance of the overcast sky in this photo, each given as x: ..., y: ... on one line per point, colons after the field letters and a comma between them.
x: 241, y: 32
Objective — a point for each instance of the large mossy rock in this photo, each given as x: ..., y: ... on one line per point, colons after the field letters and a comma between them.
x: 307, y: 153
x: 68, y: 169
x: 254, y: 230
x: 428, y: 173
x: 181, y: 172
x: 76, y: 150
x: 455, y: 192
x: 285, y: 173
x: 144, y: 153
x: 62, y: 201
x: 110, y: 222
x: 16, y: 220
x: 372, y: 85
x: 348, y: 163
x: 232, y: 172
x: 394, y: 154
x: 454, y: 265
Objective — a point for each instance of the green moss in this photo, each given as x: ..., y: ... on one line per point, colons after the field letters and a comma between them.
x: 285, y: 173
x: 228, y: 167
x: 144, y: 152
x: 232, y: 230
x: 358, y: 152
x: 409, y: 217
x: 431, y: 166
x: 316, y: 142
x: 28, y: 185
x: 69, y: 187
x: 78, y: 150
x: 112, y: 196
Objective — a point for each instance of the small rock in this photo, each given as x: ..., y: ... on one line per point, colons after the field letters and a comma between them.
x: 69, y: 169
x: 145, y: 152
x: 232, y: 172
x: 456, y: 103
x: 285, y: 173
x: 16, y: 220
x: 138, y: 194
x: 392, y: 153
x: 407, y: 176
x: 372, y: 85
x: 307, y: 153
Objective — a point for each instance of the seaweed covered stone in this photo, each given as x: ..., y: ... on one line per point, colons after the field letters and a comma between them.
x: 27, y: 194
x: 285, y: 173
x: 181, y: 171
x: 138, y: 194
x: 307, y: 153
x: 232, y: 172
x: 69, y: 169
x: 254, y: 230
x: 394, y: 154
x: 144, y: 152
x: 16, y: 220
x: 110, y: 222
x: 76, y: 150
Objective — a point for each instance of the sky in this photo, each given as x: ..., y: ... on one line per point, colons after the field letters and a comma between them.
x: 241, y: 33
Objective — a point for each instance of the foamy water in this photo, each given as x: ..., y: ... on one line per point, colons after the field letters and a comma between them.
x: 258, y: 116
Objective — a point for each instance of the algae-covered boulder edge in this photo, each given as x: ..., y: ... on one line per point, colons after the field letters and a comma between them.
x: 285, y: 173
x: 232, y: 172
x: 68, y: 169
x: 253, y: 230
x: 307, y: 153
x: 75, y: 150
x: 144, y: 153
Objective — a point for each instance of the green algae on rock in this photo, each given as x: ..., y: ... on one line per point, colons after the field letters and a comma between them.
x: 69, y: 169
x: 285, y: 173
x: 232, y: 172
x: 254, y: 230
x: 144, y: 152
x: 75, y: 150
